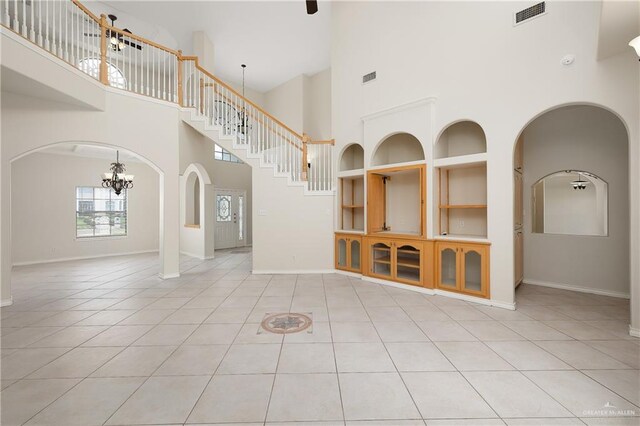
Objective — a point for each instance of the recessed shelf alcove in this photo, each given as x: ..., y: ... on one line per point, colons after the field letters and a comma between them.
x: 398, y: 148
x: 459, y: 139
x: 352, y: 158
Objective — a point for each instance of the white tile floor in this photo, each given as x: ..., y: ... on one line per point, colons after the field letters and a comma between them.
x: 106, y: 342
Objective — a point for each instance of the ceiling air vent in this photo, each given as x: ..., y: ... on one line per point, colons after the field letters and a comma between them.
x: 368, y: 77
x: 530, y: 12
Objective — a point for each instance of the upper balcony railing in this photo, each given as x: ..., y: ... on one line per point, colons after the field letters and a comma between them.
x: 120, y: 59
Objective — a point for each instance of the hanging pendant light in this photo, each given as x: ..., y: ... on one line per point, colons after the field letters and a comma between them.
x: 244, y: 119
x: 115, y: 178
x: 579, y: 184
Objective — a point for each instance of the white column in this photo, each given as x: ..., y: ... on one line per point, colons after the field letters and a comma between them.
x: 169, y: 225
x: 5, y: 233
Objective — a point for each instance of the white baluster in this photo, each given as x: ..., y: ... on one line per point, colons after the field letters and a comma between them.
x: 32, y: 30
x: 6, y: 18
x: 24, y: 18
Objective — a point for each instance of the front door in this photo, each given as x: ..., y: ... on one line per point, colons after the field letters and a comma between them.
x: 230, y: 217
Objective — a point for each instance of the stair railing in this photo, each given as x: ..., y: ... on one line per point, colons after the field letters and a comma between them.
x: 120, y: 59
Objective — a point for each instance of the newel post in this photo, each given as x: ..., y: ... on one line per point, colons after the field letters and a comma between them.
x: 180, y: 71
x: 201, y: 95
x: 305, y: 163
x: 104, y: 76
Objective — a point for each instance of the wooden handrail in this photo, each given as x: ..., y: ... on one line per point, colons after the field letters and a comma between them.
x: 325, y: 142
x: 232, y: 90
x: 271, y: 123
x: 142, y: 40
x: 248, y: 112
x: 85, y: 10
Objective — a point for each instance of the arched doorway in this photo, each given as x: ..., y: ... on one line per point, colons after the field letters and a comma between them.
x: 61, y: 212
x: 571, y: 208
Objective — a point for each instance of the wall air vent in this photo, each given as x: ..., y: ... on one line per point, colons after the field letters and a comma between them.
x: 529, y: 13
x: 368, y: 77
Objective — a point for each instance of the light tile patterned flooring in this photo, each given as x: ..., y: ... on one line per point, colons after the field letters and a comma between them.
x: 106, y: 342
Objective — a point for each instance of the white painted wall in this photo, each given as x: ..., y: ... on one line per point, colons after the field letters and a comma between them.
x: 512, y: 75
x: 194, y: 147
x: 97, y: 115
x: 291, y: 232
x: 286, y: 103
x: 317, y: 105
x: 43, y: 209
x: 593, y: 140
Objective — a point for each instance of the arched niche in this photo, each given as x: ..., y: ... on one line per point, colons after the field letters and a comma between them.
x: 352, y: 158
x: 461, y: 138
x: 195, y: 180
x: 192, y: 200
x: 398, y: 148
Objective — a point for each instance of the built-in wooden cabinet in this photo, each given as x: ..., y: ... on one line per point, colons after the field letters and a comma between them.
x: 348, y: 252
x: 518, y: 253
x: 404, y: 261
x: 463, y: 267
x: 518, y: 156
x: 352, y: 203
x: 518, y: 213
x: 389, y: 196
x: 463, y: 200
x: 396, y: 201
x: 518, y: 206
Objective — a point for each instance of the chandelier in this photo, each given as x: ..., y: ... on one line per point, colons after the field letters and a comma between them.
x: 579, y: 184
x: 115, y: 177
x: 243, y: 125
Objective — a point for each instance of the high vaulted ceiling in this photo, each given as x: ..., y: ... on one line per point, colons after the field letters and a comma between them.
x: 276, y: 39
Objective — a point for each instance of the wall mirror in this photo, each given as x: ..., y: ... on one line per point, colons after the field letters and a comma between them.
x: 570, y: 202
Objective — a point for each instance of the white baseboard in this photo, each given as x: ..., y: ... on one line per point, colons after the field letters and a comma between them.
x: 68, y: 259
x: 6, y: 302
x: 347, y: 273
x: 444, y: 293
x: 577, y: 288
x: 635, y: 332
x: 186, y: 253
x: 169, y: 276
x: 292, y: 271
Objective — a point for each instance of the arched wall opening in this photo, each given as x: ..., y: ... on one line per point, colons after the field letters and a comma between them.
x: 586, y: 138
x: 54, y: 216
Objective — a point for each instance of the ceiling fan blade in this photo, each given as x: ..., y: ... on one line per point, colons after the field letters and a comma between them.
x: 312, y: 6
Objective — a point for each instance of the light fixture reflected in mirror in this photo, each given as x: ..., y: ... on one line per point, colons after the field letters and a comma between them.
x: 570, y: 202
x: 579, y: 183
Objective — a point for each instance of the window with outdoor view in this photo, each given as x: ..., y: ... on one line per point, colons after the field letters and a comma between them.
x: 100, y: 212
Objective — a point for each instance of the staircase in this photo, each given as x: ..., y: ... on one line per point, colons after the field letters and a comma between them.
x: 70, y: 31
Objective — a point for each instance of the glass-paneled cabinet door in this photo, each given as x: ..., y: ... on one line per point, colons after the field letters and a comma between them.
x: 381, y: 259
x: 448, y: 266
x: 341, y: 252
x: 355, y: 256
x: 473, y: 270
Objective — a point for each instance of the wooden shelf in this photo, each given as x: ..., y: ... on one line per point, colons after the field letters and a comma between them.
x: 463, y: 206
x: 416, y: 252
x: 386, y: 260
x: 410, y: 263
x: 387, y: 249
x: 353, y: 206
